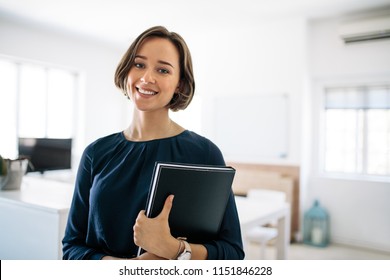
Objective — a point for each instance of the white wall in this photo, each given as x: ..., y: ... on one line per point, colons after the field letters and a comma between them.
x: 260, y: 58
x: 359, y: 210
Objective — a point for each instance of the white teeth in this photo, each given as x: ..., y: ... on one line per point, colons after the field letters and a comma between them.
x: 146, y: 91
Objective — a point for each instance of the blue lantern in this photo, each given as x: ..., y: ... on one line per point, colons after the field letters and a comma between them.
x: 316, y: 226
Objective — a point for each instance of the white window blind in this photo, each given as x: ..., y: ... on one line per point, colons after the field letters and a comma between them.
x: 374, y: 97
x: 357, y: 130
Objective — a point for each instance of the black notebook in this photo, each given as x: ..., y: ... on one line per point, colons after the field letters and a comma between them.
x: 201, y: 195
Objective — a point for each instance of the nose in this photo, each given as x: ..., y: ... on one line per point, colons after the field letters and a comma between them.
x: 148, y: 77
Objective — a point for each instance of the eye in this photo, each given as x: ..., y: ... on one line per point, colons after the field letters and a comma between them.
x: 139, y: 65
x: 163, y: 71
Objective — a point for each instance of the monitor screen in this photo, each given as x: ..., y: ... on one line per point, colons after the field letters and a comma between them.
x: 46, y: 153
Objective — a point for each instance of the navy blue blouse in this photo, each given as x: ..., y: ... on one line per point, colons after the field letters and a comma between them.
x: 111, y: 188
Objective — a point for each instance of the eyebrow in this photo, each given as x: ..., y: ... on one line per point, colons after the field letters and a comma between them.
x: 159, y: 61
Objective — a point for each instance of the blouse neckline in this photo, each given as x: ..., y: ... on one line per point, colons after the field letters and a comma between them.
x: 152, y: 140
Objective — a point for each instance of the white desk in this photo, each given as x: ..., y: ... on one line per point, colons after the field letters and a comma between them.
x: 33, y: 219
x: 254, y: 214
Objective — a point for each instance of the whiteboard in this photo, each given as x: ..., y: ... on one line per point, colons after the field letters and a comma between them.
x: 252, y: 126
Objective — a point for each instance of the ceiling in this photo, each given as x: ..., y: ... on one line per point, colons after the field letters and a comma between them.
x: 118, y: 21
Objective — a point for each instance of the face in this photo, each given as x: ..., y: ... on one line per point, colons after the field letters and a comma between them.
x: 155, y: 74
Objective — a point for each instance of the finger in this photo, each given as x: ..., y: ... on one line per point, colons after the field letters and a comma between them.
x: 167, y: 207
x: 141, y: 216
x: 137, y: 225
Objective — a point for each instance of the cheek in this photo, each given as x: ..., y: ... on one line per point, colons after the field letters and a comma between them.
x: 129, y: 83
x: 169, y: 88
x: 171, y: 85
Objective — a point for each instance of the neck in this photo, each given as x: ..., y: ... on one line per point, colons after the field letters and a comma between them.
x: 148, y: 126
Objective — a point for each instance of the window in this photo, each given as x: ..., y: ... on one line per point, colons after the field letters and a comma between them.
x: 357, y: 130
x: 37, y: 101
x: 8, y: 116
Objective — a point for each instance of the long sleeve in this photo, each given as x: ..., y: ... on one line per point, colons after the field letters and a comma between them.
x: 74, y: 242
x: 229, y: 245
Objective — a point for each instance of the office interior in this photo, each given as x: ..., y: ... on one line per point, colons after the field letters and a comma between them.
x: 261, y: 70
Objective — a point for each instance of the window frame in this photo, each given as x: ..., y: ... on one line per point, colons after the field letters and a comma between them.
x: 18, y: 62
x: 319, y: 127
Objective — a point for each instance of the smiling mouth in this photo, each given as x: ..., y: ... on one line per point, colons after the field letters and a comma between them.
x: 146, y: 92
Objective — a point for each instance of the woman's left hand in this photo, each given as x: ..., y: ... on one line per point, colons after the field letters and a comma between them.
x: 154, y: 234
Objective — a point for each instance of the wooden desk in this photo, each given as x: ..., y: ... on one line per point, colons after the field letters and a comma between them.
x: 33, y: 219
x: 254, y: 214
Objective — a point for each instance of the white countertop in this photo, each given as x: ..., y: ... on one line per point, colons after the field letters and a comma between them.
x: 35, y: 192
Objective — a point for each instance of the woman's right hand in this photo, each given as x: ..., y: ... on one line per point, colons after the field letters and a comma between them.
x: 154, y: 234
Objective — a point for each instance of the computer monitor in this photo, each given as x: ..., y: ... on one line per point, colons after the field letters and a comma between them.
x: 46, y: 153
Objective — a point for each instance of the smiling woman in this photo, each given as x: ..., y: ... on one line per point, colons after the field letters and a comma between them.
x: 183, y: 97
x: 107, y: 220
x: 154, y: 79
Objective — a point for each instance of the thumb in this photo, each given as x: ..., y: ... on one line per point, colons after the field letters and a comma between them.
x: 167, y: 207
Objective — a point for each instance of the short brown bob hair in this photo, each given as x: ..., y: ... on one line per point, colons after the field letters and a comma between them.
x: 181, y: 99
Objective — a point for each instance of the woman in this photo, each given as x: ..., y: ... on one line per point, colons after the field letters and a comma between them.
x: 106, y: 220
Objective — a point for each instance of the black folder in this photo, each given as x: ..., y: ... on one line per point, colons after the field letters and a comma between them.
x: 201, y: 195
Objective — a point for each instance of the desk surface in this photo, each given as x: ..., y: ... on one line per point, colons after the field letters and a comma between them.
x: 48, y: 195
x: 253, y: 213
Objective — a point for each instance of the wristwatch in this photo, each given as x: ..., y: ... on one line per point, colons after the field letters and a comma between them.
x: 186, y: 254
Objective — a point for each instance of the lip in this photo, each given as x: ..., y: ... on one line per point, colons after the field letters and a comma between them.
x: 146, y: 91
